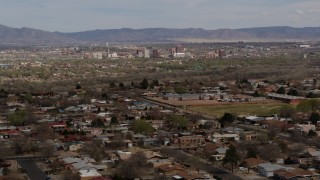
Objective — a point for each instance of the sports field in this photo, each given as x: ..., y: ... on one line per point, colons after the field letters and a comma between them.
x: 261, y: 109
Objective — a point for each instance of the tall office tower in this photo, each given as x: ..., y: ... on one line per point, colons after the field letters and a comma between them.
x: 178, y: 49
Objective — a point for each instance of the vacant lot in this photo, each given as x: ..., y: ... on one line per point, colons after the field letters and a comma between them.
x: 262, y: 109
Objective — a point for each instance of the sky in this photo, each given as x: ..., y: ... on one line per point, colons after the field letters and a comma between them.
x: 82, y: 15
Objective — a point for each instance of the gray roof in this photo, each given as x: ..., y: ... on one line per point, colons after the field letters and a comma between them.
x: 221, y: 150
x: 314, y: 153
x: 270, y: 167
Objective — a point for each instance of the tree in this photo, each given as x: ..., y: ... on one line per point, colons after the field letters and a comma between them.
x: 226, y: 118
x: 114, y: 120
x: 281, y: 90
x: 312, y: 133
x: 97, y: 123
x: 293, y: 92
x: 287, y: 111
x: 104, y: 95
x: 6, y: 171
x: 94, y: 149
x: 231, y: 157
x: 78, y: 86
x: 3, y: 93
x: 155, y: 82
x: 112, y: 85
x: 142, y: 126
x: 121, y: 85
x: 269, y: 152
x: 177, y: 122
x: 47, y: 150
x: 180, y: 90
x: 256, y: 94
x: 195, y: 162
x: 70, y: 175
x: 17, y: 118
x: 311, y: 105
x: 134, y: 167
x: 312, y: 95
x: 296, y: 148
x: 144, y: 84
x: 251, y: 152
x: 314, y: 117
x: 44, y: 132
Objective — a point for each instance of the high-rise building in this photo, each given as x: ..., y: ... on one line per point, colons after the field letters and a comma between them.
x: 155, y: 53
x: 146, y: 53
x: 179, y: 49
x: 173, y: 51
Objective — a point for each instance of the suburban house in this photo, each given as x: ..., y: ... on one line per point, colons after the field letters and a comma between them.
x: 190, y: 141
x: 88, y: 174
x: 293, y: 174
x: 252, y: 163
x: 225, y: 137
x: 170, y: 169
x: 268, y: 169
x: 220, y: 153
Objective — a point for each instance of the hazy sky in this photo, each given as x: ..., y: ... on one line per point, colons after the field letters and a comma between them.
x: 80, y: 15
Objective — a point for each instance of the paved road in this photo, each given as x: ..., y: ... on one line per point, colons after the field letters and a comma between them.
x: 33, y: 171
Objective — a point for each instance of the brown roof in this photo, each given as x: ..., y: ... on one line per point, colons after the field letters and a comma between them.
x: 292, y: 173
x: 253, y: 161
x: 170, y: 167
x: 210, y: 147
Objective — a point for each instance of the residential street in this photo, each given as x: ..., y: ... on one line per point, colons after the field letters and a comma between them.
x: 32, y: 170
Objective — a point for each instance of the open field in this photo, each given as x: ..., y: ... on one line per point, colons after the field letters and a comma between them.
x: 214, y: 108
x: 259, y: 109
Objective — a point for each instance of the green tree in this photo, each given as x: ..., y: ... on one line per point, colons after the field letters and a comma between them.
x: 312, y: 133
x: 180, y: 90
x: 121, y: 85
x: 178, y: 122
x: 226, y: 118
x: 144, y: 84
x: 281, y: 90
x: 114, y: 120
x: 256, y: 94
x: 97, y: 123
x: 311, y: 105
x: 293, y: 92
x: 28, y: 98
x: 112, y: 85
x: 314, y: 117
x: 155, y: 82
x: 231, y: 157
x: 251, y: 152
x: 17, y: 118
x: 78, y: 86
x: 142, y: 126
x: 312, y: 95
x: 104, y: 95
x: 3, y: 93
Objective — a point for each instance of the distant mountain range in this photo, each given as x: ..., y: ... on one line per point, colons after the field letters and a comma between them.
x: 28, y: 36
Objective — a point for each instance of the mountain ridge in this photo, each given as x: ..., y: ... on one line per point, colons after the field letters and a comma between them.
x: 30, y: 36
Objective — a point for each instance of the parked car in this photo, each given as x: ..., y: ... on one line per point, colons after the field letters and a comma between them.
x: 243, y: 169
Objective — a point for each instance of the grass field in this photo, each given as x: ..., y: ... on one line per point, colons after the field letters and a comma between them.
x: 240, y: 109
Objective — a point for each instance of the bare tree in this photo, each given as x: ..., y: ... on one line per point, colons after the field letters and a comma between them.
x: 134, y: 167
x: 269, y: 152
